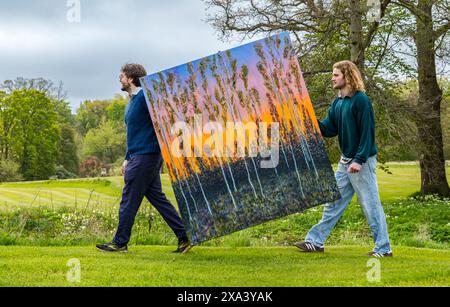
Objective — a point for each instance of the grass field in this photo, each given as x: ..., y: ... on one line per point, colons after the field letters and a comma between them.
x: 405, y: 180
x: 253, y: 257
x: 206, y: 266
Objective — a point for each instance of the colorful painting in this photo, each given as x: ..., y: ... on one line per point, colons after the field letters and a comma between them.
x: 240, y: 138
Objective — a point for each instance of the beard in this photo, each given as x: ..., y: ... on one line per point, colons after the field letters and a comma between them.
x: 125, y: 88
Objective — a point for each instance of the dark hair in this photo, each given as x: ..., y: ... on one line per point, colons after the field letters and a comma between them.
x: 134, y: 71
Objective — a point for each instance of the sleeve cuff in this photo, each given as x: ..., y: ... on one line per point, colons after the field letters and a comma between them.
x: 359, y: 161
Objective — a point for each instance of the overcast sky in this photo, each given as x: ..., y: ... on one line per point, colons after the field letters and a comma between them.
x: 37, y: 39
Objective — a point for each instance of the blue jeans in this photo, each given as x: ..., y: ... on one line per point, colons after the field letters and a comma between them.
x: 364, y: 184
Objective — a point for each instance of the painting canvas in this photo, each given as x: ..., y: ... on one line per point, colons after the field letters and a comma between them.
x: 240, y: 138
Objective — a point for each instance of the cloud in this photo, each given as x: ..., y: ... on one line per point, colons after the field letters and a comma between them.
x: 36, y: 40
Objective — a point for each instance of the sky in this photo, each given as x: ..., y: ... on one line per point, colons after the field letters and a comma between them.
x: 85, y: 48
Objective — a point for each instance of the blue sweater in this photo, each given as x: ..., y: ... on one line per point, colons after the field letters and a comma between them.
x: 141, y: 136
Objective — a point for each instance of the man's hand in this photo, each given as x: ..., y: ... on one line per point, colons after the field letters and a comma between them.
x: 354, y: 168
x: 124, y: 167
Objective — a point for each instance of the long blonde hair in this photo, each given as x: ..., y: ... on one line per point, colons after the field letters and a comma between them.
x: 352, y: 75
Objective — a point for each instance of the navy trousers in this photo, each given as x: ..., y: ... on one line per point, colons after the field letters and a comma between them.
x: 142, y: 179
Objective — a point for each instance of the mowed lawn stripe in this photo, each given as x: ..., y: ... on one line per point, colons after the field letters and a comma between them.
x: 4, y: 200
x: 57, y: 196
x: 37, y: 197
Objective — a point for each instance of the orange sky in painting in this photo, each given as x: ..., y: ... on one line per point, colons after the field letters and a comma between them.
x: 291, y: 113
x: 265, y: 117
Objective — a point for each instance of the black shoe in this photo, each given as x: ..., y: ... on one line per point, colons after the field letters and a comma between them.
x: 309, y: 247
x: 183, y: 246
x: 112, y: 248
x: 379, y: 255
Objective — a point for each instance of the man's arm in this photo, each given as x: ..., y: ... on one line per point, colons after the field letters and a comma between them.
x: 366, y: 124
x: 125, y: 163
x: 328, y: 125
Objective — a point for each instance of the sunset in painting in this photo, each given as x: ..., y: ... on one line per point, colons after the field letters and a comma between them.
x: 220, y: 180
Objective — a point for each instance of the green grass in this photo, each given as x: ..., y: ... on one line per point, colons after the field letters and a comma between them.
x: 83, y: 212
x: 44, y: 224
x: 104, y: 193
x: 405, y: 180
x: 206, y: 266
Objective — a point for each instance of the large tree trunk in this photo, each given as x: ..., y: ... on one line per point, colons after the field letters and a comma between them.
x: 432, y: 162
x: 357, y: 48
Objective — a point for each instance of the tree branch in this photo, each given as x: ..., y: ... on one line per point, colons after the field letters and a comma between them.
x: 374, y: 27
x: 441, y: 30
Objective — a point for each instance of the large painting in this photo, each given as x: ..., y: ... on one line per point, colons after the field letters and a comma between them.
x: 240, y: 138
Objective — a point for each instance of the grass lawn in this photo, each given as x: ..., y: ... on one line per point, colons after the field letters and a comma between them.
x: 226, y: 265
x: 405, y: 180
x: 207, y: 266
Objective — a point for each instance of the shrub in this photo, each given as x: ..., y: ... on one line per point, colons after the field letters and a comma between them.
x: 91, y: 167
x: 62, y: 173
x: 9, y: 171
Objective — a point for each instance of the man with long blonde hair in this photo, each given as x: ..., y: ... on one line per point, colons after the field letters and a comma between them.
x: 352, y: 119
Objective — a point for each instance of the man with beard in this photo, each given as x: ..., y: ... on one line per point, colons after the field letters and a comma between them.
x: 141, y: 168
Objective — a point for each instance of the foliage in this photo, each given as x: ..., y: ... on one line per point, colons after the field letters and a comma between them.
x: 91, y: 167
x: 445, y: 85
x: 9, y: 171
x: 383, y: 48
x: 106, y: 142
x: 411, y: 223
x: 30, y: 132
x: 68, y: 157
x: 36, y: 127
x: 62, y: 173
x: 115, y: 111
x: 91, y: 114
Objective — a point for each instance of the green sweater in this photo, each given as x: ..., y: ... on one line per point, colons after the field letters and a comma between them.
x: 353, y: 121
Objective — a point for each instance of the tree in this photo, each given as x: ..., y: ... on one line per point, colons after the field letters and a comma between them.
x: 101, y: 124
x: 67, y: 147
x: 329, y: 31
x: 315, y: 24
x: 446, y: 118
x: 9, y: 171
x: 30, y: 132
x: 432, y: 24
x: 105, y: 142
x: 68, y: 157
x: 91, y: 167
x: 6, y: 125
x: 91, y: 114
x: 52, y: 91
x: 115, y: 111
x: 325, y: 32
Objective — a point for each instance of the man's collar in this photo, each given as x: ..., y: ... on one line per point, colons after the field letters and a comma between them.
x: 136, y: 91
x: 349, y: 95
